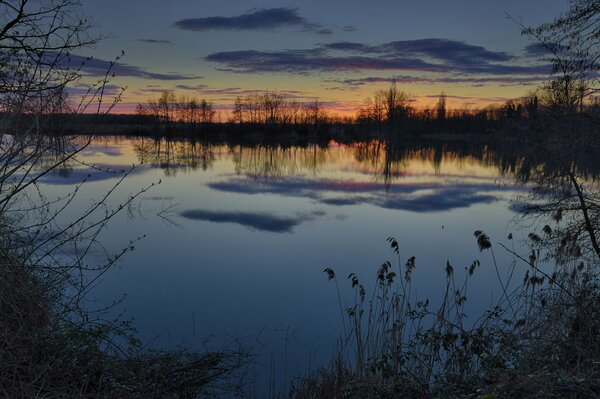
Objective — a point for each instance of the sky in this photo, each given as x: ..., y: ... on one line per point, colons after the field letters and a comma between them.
x: 337, y: 51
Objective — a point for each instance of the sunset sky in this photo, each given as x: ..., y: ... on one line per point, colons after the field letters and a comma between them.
x: 340, y: 51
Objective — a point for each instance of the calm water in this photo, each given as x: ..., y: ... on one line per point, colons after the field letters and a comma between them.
x: 237, y: 237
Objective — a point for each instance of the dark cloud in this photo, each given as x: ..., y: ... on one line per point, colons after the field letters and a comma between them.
x: 417, y: 197
x: 324, y: 31
x: 424, y: 55
x: 191, y: 87
x: 260, y: 20
x: 98, y: 67
x: 254, y: 220
x: 252, y: 61
x: 451, y: 51
x: 154, y: 41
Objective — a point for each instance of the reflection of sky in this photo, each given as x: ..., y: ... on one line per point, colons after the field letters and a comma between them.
x: 247, y: 252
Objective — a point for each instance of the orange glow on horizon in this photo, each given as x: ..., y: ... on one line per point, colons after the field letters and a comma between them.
x: 350, y: 109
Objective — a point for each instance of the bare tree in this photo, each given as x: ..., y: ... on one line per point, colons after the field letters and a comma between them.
x: 51, y: 345
x: 397, y: 105
x: 572, y: 42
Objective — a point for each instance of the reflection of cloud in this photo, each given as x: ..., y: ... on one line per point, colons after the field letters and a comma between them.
x: 441, y: 200
x: 438, y: 201
x: 254, y: 220
x: 426, y: 55
x: 261, y: 19
x: 110, y: 151
x: 78, y: 175
x: 415, y: 197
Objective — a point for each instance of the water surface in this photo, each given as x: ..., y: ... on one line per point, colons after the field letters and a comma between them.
x: 237, y: 236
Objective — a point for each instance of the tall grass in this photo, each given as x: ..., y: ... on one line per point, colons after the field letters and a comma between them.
x: 541, y: 338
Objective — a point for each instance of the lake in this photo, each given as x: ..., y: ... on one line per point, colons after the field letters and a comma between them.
x: 237, y: 235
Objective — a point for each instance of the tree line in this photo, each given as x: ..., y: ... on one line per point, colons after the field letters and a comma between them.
x: 271, y: 109
x: 168, y: 111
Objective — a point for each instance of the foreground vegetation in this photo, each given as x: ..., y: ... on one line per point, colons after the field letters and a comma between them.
x: 542, y: 338
x: 45, y: 353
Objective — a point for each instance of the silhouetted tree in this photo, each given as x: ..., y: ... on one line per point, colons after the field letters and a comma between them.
x: 397, y: 105
x: 440, y: 107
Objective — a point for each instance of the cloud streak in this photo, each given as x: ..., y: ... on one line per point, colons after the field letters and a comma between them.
x: 263, y: 19
x: 403, y: 79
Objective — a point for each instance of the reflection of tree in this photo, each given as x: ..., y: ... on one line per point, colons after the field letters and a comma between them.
x: 390, y: 159
x: 55, y: 149
x: 276, y: 161
x: 175, y: 155
x: 254, y: 160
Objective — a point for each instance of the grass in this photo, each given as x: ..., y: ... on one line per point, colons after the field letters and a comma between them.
x: 541, y: 339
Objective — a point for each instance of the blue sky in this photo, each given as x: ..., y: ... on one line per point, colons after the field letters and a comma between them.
x: 338, y: 51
